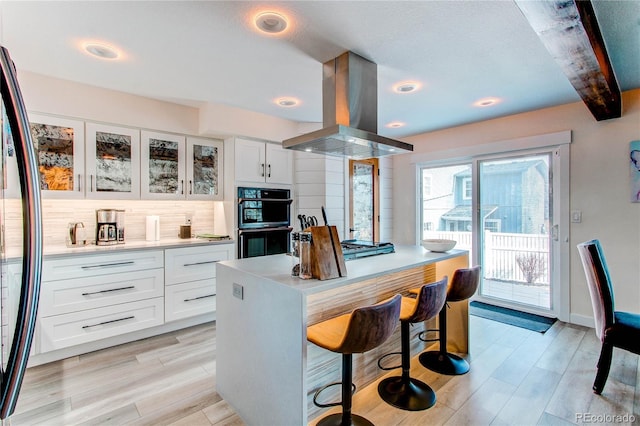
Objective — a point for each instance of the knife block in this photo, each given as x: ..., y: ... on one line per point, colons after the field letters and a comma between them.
x: 327, y: 260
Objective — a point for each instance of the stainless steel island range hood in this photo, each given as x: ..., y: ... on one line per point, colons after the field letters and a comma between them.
x: 349, y: 113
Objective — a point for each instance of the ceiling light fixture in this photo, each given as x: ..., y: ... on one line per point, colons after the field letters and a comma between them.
x: 287, y: 102
x: 395, y: 124
x: 271, y: 22
x: 407, y: 87
x: 101, y: 50
x: 485, y: 102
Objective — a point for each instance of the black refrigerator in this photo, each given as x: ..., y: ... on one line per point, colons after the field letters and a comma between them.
x: 17, y: 331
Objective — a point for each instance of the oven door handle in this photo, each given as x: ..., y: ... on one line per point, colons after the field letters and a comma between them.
x: 251, y: 231
x: 271, y: 200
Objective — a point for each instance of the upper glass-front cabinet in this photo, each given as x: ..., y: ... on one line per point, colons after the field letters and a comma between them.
x: 113, y: 162
x: 162, y: 165
x: 204, y: 169
x: 59, y: 144
x: 177, y: 168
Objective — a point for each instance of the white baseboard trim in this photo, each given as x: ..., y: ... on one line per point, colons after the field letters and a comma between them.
x: 582, y: 320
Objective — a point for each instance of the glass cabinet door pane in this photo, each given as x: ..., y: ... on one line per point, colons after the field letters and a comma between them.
x: 55, y: 156
x: 113, y: 162
x: 205, y: 169
x: 164, y: 160
x: 59, y: 143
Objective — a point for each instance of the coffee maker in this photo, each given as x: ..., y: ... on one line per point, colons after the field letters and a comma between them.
x: 109, y: 227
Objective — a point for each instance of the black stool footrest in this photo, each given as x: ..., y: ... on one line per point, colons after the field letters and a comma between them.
x: 383, y: 357
x: 444, y: 363
x: 424, y: 333
x: 407, y: 393
x: 330, y: 404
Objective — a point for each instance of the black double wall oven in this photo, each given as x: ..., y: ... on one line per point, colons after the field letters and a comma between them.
x: 264, y: 221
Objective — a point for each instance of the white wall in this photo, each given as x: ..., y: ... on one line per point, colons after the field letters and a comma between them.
x: 54, y: 96
x: 319, y: 181
x: 599, y: 186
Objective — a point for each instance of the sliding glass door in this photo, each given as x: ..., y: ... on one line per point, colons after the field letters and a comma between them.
x: 516, y: 217
x: 504, y: 210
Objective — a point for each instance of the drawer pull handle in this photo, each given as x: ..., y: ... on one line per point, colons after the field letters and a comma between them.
x: 109, y: 265
x: 109, y: 290
x: 201, y: 263
x: 108, y: 322
x: 199, y: 297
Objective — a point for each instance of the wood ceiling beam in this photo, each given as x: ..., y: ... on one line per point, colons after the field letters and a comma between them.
x: 570, y: 32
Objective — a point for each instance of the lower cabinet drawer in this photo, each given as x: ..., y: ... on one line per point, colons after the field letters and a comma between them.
x: 189, y: 299
x: 61, y: 331
x: 61, y: 297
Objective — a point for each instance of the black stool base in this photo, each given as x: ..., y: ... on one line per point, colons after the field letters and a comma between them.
x: 444, y: 363
x: 406, y: 394
x: 336, y: 420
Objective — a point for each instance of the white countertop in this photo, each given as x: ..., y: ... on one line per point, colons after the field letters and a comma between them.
x: 277, y: 268
x: 53, y: 251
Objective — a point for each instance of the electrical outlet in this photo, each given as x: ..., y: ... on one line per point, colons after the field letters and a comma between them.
x: 238, y: 291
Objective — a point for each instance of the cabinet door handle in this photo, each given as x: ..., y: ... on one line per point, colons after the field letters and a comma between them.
x: 201, y: 263
x: 90, y: 183
x: 182, y: 186
x: 262, y: 173
x: 269, y: 174
x: 190, y: 187
x: 199, y: 297
x: 79, y: 183
x: 108, y: 322
x: 109, y: 265
x: 109, y: 290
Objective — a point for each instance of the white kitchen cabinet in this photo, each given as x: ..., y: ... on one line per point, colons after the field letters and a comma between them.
x: 112, y: 162
x: 59, y: 144
x: 205, y: 162
x: 162, y: 165
x: 190, y: 279
x: 75, y: 328
x: 91, y: 297
x: 262, y: 162
x: 176, y: 167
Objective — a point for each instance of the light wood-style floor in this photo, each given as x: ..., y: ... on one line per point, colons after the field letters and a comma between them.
x: 517, y: 377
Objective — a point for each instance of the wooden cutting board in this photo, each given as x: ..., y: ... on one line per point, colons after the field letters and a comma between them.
x: 327, y: 260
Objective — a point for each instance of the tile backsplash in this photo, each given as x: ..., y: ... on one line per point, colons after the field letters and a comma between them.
x: 57, y: 214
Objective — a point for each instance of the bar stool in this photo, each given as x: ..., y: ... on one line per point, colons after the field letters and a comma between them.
x: 404, y: 391
x: 360, y: 331
x: 463, y: 285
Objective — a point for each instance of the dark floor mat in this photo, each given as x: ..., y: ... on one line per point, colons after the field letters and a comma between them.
x: 510, y: 316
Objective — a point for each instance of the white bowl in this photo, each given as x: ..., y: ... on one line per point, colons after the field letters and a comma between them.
x: 438, y: 246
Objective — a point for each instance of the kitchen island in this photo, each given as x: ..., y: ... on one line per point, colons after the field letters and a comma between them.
x: 266, y: 369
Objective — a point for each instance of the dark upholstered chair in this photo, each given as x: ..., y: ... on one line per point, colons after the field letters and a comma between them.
x: 614, y: 329
x: 404, y: 391
x: 360, y: 331
x: 463, y: 285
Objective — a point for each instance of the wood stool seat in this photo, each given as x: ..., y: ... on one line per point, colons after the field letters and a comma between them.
x: 403, y: 391
x: 360, y: 331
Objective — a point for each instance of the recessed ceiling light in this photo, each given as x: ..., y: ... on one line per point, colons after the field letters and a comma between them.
x: 406, y: 87
x: 271, y: 22
x: 101, y: 50
x: 485, y: 102
x: 395, y: 124
x: 287, y: 102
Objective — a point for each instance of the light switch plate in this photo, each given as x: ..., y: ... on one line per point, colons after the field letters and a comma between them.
x: 238, y: 291
x: 576, y: 216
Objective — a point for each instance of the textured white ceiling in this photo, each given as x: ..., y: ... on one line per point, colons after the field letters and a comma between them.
x: 206, y: 52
